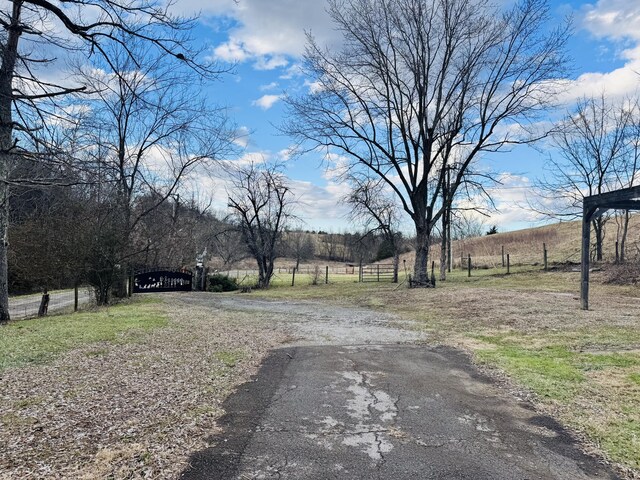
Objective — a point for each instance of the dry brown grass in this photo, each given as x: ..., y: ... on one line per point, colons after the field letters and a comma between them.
x: 128, y: 410
x: 525, y: 247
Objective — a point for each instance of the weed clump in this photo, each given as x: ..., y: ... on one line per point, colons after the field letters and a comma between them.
x: 222, y: 283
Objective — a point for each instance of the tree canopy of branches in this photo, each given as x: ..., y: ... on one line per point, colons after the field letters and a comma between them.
x: 597, y: 152
x: 260, y: 203
x: 146, y: 131
x: 378, y: 213
x: 418, y: 83
x: 32, y: 34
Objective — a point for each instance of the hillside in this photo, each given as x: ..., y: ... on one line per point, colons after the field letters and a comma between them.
x: 525, y: 246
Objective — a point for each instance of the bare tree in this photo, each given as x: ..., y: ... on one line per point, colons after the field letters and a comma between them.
x: 260, y: 205
x: 300, y: 245
x: 147, y: 130
x: 592, y: 146
x: 629, y: 170
x: 372, y: 206
x: 420, y: 82
x: 32, y: 34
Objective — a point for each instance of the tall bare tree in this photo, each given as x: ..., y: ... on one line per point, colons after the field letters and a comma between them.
x: 592, y: 143
x: 149, y: 128
x: 420, y: 82
x: 260, y: 204
x: 32, y: 34
x: 372, y: 206
x: 629, y: 170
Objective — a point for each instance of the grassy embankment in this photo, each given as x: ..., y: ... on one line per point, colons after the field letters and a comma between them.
x: 40, y: 340
x: 581, y: 366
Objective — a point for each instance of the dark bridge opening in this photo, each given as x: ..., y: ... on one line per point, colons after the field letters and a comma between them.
x: 163, y: 281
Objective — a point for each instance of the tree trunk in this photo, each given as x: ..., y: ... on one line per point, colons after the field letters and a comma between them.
x: 9, y: 55
x: 420, y: 267
x: 4, y: 241
x: 396, y: 263
x: 598, y: 227
x: 623, y: 239
x: 443, y: 249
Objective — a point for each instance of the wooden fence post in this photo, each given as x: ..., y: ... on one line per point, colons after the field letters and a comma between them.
x: 617, y: 253
x: 293, y: 278
x: 378, y: 273
x: 44, y: 304
x: 326, y: 277
x: 508, y: 265
x: 544, y: 255
x: 469, y: 265
x: 360, y: 272
x: 502, y: 256
x: 75, y: 297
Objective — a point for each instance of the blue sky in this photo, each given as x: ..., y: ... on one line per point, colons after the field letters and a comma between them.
x: 265, y: 40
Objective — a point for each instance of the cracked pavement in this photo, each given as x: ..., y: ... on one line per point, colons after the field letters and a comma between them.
x: 380, y: 411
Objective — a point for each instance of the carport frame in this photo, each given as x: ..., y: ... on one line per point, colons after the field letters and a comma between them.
x: 594, y: 206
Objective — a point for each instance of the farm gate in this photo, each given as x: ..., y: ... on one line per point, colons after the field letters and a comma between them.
x: 166, y: 280
x: 376, y: 273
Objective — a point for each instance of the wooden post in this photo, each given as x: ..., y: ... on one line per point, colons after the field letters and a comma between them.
x: 469, y: 265
x: 378, y: 273
x: 617, y: 253
x: 75, y: 297
x: 326, y: 276
x: 508, y: 265
x: 502, y: 256
x: 293, y: 278
x: 44, y: 304
x: 584, y: 267
x: 360, y: 272
x: 544, y: 255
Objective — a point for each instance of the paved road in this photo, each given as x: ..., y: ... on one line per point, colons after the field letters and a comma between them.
x: 377, y: 411
x: 28, y: 305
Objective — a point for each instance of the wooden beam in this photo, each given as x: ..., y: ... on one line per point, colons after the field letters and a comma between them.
x: 615, y: 196
x: 593, y: 207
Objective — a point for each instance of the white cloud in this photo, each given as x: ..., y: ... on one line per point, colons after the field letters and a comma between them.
x: 242, y: 136
x: 269, y: 86
x: 266, y: 101
x: 231, y: 52
x: 618, y: 21
x: 266, y: 32
x: 268, y: 62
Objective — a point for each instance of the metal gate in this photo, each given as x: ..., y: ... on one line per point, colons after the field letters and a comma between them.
x: 163, y: 281
x: 377, y: 273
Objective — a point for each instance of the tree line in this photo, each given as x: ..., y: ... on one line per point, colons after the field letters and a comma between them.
x: 94, y: 168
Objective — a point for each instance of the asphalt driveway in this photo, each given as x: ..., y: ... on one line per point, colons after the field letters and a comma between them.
x: 384, y: 412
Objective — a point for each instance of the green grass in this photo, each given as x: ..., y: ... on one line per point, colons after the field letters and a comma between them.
x: 229, y: 358
x: 40, y: 340
x: 582, y: 380
x: 549, y: 372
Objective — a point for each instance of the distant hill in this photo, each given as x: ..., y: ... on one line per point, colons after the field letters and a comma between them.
x: 525, y: 246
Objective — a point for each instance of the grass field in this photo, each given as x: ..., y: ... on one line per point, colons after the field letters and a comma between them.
x: 39, y: 340
x: 583, y: 367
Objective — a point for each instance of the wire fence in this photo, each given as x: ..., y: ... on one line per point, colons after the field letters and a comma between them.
x: 60, y: 301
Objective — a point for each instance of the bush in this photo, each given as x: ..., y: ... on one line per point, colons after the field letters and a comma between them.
x: 222, y: 283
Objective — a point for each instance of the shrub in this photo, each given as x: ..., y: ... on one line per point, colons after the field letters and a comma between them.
x: 222, y: 283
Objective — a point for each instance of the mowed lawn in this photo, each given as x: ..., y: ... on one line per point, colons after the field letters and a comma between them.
x: 527, y: 329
